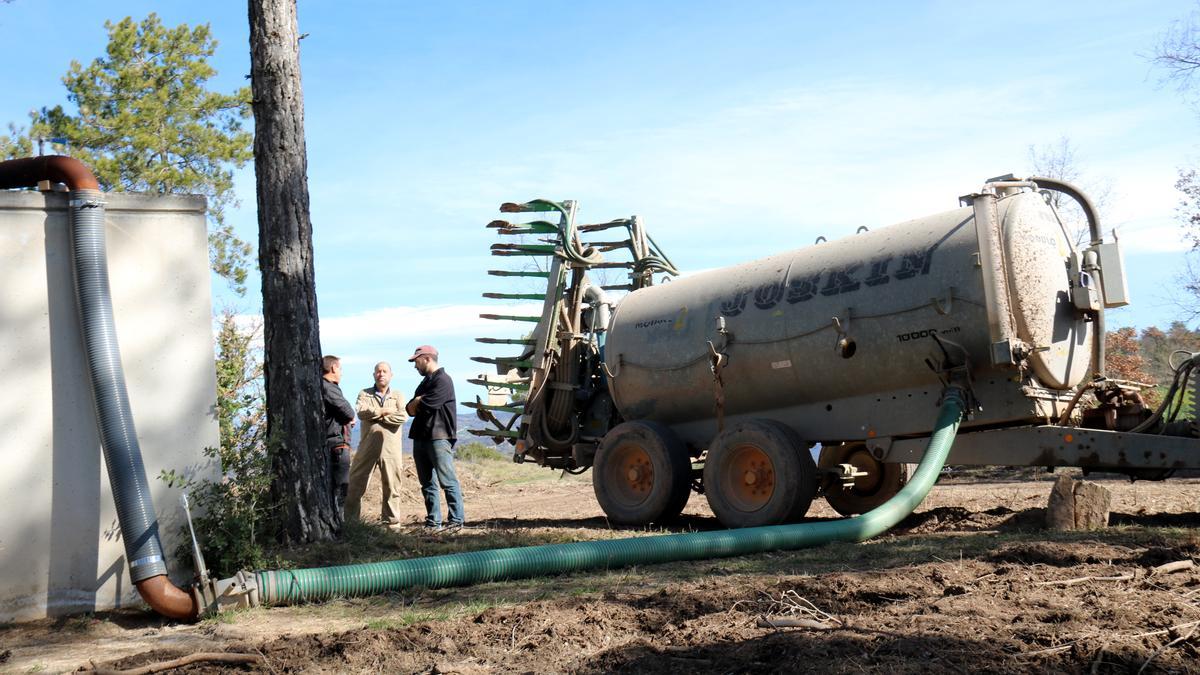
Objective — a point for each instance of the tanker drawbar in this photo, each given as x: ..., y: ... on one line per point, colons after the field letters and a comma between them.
x: 724, y: 382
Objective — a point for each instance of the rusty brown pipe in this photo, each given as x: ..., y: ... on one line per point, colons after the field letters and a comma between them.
x: 27, y: 172
x: 168, y: 599
x: 158, y: 591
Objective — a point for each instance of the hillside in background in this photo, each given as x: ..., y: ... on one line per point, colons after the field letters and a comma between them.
x: 466, y: 421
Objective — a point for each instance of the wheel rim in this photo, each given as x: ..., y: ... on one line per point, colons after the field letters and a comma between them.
x: 882, y: 481
x: 863, y: 461
x: 748, y: 478
x: 631, y: 473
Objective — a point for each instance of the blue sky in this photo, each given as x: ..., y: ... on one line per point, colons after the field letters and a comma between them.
x: 736, y: 130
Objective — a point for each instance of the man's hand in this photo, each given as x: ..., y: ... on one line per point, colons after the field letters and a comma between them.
x: 411, y: 408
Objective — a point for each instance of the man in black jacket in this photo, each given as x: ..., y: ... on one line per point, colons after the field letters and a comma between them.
x: 339, y: 417
x: 434, y: 430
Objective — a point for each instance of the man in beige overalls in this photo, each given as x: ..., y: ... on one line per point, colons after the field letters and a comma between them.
x: 382, y: 413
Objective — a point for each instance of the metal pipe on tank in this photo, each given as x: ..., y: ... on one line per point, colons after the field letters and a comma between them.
x: 29, y: 171
x: 991, y: 262
x: 1099, y: 368
x: 601, y: 307
x: 1089, y: 209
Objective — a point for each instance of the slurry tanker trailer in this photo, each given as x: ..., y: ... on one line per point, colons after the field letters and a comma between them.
x: 722, y: 382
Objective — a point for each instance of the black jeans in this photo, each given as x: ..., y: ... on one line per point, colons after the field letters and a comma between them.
x: 339, y: 471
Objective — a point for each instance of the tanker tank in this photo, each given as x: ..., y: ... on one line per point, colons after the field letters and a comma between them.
x: 817, y: 337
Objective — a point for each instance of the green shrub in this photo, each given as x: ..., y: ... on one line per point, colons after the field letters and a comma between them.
x: 474, y: 451
x: 231, y: 513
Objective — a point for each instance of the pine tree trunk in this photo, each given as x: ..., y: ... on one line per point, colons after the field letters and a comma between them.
x: 303, y: 507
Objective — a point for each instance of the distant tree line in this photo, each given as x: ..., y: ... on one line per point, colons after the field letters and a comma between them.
x: 1145, y: 356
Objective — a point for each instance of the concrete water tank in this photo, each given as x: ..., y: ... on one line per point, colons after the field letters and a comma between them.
x: 60, y: 546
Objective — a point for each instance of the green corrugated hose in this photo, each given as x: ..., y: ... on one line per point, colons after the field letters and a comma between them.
x: 460, y: 569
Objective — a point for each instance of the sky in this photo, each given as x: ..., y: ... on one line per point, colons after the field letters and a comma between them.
x: 735, y: 130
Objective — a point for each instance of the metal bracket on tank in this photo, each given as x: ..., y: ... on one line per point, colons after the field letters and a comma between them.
x: 839, y: 327
x: 723, y: 331
x: 718, y: 359
x: 845, y: 344
x: 954, y: 369
x: 944, y: 309
x: 879, y: 446
x: 1004, y: 353
x: 237, y: 592
x: 1012, y: 352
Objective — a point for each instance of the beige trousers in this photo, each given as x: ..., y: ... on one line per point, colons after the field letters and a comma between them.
x: 391, y: 473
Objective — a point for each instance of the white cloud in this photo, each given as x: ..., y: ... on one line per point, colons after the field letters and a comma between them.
x: 423, y: 323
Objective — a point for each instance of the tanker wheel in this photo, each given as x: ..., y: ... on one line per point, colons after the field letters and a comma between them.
x: 642, y: 474
x: 882, y: 482
x: 759, y: 472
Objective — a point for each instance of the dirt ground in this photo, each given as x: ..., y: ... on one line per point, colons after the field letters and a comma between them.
x: 968, y: 583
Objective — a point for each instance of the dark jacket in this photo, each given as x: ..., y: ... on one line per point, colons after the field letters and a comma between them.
x: 437, y: 411
x: 338, y: 414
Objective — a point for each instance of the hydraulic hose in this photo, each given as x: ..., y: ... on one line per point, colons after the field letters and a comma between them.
x: 293, y: 586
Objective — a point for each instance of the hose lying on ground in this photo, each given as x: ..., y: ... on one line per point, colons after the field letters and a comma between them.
x: 293, y: 586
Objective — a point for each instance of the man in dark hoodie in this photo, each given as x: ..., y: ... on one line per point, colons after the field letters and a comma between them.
x: 434, y: 430
x: 339, y: 417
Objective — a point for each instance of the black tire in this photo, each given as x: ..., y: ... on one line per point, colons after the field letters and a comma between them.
x: 642, y: 474
x: 882, y: 482
x: 759, y: 472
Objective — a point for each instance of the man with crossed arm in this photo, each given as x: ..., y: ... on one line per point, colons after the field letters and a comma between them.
x: 381, y: 410
x: 434, y: 431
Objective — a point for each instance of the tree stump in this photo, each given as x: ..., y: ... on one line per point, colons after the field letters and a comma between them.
x: 1077, y: 505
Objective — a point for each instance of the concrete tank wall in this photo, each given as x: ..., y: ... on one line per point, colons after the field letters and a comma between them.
x: 60, y: 546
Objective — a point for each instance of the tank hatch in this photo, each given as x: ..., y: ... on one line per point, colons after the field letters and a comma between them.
x: 1037, y: 254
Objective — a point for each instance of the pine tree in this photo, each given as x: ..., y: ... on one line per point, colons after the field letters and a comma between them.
x: 300, y: 485
x: 145, y: 121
